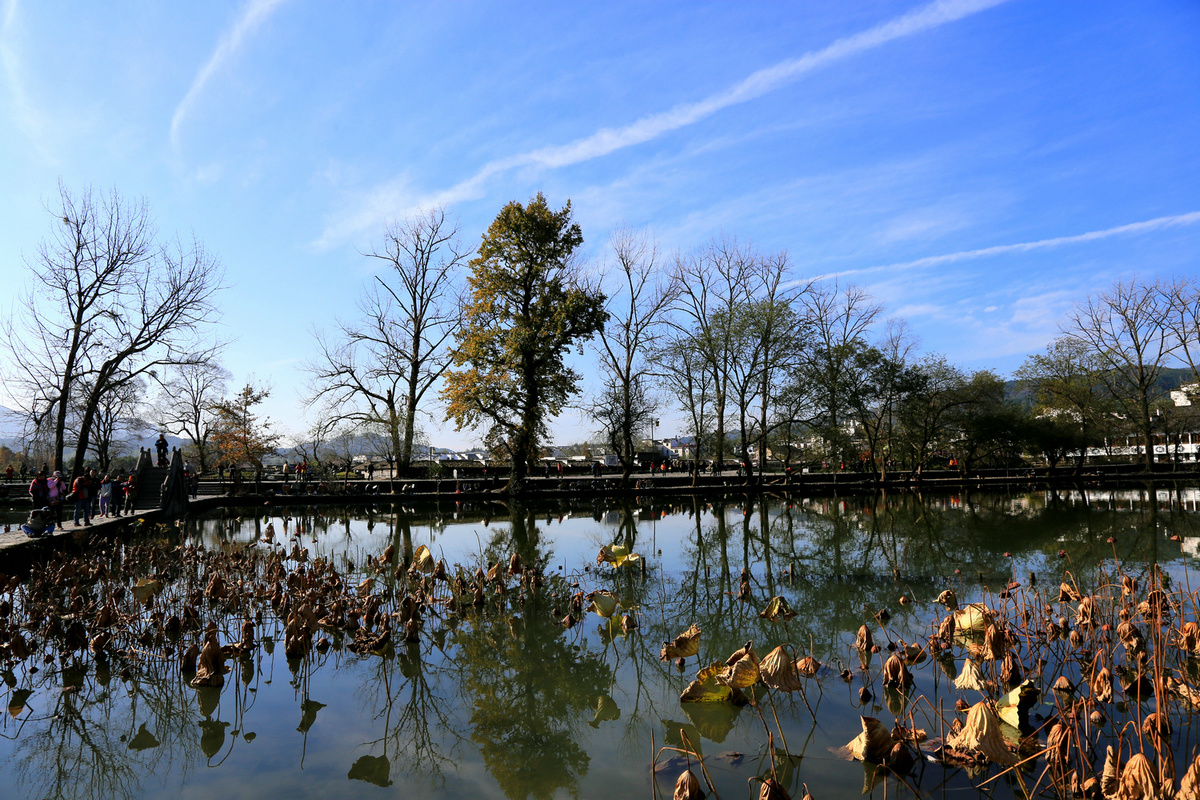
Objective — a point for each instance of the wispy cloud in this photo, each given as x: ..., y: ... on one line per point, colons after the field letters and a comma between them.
x: 26, y: 116
x: 251, y: 19
x: 1159, y: 223
x: 381, y: 202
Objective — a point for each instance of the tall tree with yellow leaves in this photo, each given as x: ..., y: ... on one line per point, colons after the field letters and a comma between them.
x: 528, y: 307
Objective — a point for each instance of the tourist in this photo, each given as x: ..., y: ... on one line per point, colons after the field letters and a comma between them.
x: 57, y: 496
x: 39, y: 490
x: 106, y: 488
x: 40, y: 523
x: 83, y: 502
x: 130, y: 489
x: 8, y: 474
x: 161, y: 445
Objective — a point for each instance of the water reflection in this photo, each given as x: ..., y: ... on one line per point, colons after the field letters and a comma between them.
x: 545, y: 709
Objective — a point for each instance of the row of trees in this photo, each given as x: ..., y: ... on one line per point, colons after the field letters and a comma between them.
x: 755, y: 360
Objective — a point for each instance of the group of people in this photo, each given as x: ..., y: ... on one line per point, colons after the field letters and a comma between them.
x: 109, y: 496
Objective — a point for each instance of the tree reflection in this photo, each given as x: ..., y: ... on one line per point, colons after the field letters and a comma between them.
x: 528, y: 686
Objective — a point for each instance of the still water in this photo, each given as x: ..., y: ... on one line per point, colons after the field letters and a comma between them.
x: 510, y: 703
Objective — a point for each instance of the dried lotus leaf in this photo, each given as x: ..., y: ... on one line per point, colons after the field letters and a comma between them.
x: 423, y: 559
x: 873, y: 744
x: 971, y: 677
x: 863, y: 641
x: 980, y: 735
x: 742, y: 674
x: 973, y: 618
x: 1189, y: 786
x: 895, y: 673
x: 687, y: 787
x: 616, y: 555
x: 603, y: 603
x: 1102, y: 686
x: 1014, y: 706
x: 949, y: 599
x: 1138, y: 781
x: 779, y: 671
x: 706, y: 688
x: 777, y: 609
x: 685, y: 645
x: 808, y: 666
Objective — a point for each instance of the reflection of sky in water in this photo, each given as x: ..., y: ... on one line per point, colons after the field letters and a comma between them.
x: 512, y: 707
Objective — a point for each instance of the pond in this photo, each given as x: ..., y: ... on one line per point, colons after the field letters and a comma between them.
x: 498, y: 695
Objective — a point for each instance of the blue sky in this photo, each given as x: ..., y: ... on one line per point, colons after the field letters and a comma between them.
x: 978, y: 166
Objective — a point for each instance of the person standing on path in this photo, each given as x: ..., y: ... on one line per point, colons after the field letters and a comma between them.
x: 81, y: 492
x: 57, y: 496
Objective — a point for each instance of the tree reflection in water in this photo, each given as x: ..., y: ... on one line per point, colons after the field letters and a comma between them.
x: 536, y: 700
x: 529, y: 685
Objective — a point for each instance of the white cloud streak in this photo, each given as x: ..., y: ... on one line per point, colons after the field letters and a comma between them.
x: 247, y: 24
x: 381, y: 201
x: 27, y: 117
x: 1133, y: 228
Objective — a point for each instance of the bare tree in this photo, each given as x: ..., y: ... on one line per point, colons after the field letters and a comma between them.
x: 636, y: 309
x: 380, y: 365
x: 185, y: 405
x: 116, y: 418
x: 109, y: 304
x: 1127, y: 329
x: 712, y: 285
x: 838, y: 320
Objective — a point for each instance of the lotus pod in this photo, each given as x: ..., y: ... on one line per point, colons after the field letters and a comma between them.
x: 423, y: 559
x: 1102, y: 686
x: 895, y: 674
x: 777, y: 609
x: 1131, y: 637
x: 686, y: 644
x: 1138, y: 781
x: 981, y: 735
x: 706, y: 688
x: 949, y: 599
x: 779, y: 671
x: 603, y: 603
x: 873, y: 744
x: 742, y: 674
x: 687, y: 787
x: 973, y: 618
x: 971, y: 677
x: 864, y: 641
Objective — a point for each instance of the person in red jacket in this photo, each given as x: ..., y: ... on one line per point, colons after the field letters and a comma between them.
x: 81, y: 492
x: 130, y: 488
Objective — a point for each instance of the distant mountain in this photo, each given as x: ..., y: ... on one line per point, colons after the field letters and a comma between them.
x: 1169, y: 379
